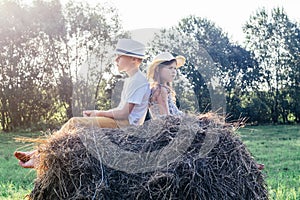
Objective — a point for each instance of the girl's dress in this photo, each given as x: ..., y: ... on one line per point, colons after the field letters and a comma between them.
x: 154, y: 106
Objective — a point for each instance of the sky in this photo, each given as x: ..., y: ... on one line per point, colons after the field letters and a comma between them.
x: 230, y: 15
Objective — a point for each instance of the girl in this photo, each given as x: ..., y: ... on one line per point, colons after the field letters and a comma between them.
x: 161, y: 73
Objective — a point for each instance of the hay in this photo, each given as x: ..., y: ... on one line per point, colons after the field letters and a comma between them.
x: 215, y: 165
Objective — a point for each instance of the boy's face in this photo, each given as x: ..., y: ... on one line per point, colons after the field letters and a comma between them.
x: 124, y: 63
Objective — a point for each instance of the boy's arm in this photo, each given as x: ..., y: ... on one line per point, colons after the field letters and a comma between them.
x: 123, y: 113
x: 117, y: 113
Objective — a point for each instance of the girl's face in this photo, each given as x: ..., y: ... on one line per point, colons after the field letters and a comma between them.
x: 168, y: 73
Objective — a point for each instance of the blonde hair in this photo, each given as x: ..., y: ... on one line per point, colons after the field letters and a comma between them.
x: 156, y: 82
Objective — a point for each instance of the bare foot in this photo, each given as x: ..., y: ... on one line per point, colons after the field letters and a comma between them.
x: 29, y: 164
x: 27, y: 159
x: 260, y: 166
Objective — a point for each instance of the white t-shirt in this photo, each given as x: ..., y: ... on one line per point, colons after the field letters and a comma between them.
x: 136, y: 90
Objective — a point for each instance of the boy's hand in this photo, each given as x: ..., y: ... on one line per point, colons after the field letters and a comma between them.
x: 90, y: 113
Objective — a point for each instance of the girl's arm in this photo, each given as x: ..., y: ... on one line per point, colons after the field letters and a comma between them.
x: 162, y: 100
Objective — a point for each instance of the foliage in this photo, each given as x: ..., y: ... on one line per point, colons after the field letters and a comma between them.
x: 54, y: 61
x: 215, y: 67
x: 274, y: 41
x: 26, y: 66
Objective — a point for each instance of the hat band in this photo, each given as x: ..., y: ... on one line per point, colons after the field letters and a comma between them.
x: 128, y: 52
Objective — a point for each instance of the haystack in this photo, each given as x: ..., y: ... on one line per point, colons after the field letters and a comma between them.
x: 174, y: 158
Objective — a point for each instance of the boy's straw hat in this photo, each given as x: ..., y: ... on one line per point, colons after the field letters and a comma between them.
x: 163, y: 57
x: 131, y: 48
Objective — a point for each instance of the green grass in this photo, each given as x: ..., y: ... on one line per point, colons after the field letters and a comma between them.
x: 278, y: 147
x: 15, y: 182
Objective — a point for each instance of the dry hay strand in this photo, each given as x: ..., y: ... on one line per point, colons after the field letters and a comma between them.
x: 221, y: 167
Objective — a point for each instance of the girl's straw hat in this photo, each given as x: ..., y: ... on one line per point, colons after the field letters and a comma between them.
x: 163, y: 57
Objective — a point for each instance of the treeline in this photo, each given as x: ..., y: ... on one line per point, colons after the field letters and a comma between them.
x: 260, y: 80
x: 53, y: 61
x: 56, y: 60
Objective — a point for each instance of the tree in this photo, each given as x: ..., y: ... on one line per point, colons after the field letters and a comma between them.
x: 26, y: 68
x: 274, y: 42
x: 215, y: 67
x: 49, y: 54
x: 92, y: 34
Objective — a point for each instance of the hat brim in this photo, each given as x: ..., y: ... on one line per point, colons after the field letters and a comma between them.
x: 180, y: 61
x: 127, y: 53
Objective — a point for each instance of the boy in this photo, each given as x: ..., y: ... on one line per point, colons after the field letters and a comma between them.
x: 133, y: 104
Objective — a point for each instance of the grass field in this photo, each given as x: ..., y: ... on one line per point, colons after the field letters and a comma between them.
x: 278, y: 147
x: 15, y: 182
